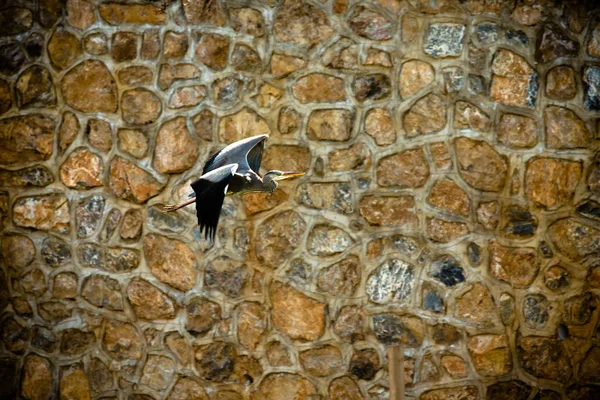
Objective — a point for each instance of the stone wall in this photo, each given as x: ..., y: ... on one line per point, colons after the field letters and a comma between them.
x: 450, y: 201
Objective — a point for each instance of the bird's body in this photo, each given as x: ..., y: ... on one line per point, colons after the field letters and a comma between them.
x: 232, y: 170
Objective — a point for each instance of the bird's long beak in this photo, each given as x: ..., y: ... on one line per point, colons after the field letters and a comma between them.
x: 288, y: 175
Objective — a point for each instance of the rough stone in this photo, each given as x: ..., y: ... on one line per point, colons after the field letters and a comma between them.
x: 564, y: 129
x: 82, y: 170
x: 354, y: 157
x: 476, y: 306
x: 149, y: 302
x: 490, y: 354
x: 282, y: 65
x: 447, y: 195
x: 370, y: 24
x: 96, y: 43
x: 122, y: 340
x: 407, y: 169
x: 469, y: 116
x: 18, y: 251
x: 215, y: 361
x: 33, y: 282
x: 157, y: 372
x: 245, y: 59
x: 75, y: 342
x: 226, y: 275
x: 14, y: 335
x: 393, y: 282
x: 26, y: 138
x: 251, y: 324
x: 344, y: 387
x: 444, y: 40
x: 295, y: 314
x: 202, y: 315
x: 45, y: 212
x: 133, y: 142
x: 560, y: 83
x: 176, y: 150
x: 278, y: 237
x: 426, y: 115
x: 544, y: 358
x: 284, y: 385
x: 63, y: 49
x: 480, y: 165
x: 511, y: 390
x: 340, y: 279
x: 393, y: 329
x: 140, y: 106
x: 74, y: 384
x: 65, y: 285
x: 349, y: 324
x: 89, y: 87
x: 187, y: 388
x: 188, y: 96
x: 365, y: 364
x: 442, y: 231
x: 278, y: 355
x: 203, y: 11
x: 454, y: 366
x: 389, y: 210
x: 12, y: 57
x: 248, y: 21
x: 343, y: 54
x: 15, y: 20
x: 132, y: 183
x: 124, y: 46
x: 514, y: 81
x: 242, y: 124
x: 579, y: 308
x: 518, y: 266
x: 99, y: 134
x: 371, y: 87
x: 551, y: 182
x: 212, y: 50
x: 536, y: 311
x: 80, y: 14
x: 34, y: 88
x: 414, y: 76
x: 120, y: 13
x: 325, y: 240
x: 301, y: 24
x: 591, y: 81
x: 554, y: 43
x: 317, y: 87
x: 36, y: 379
x: 171, y: 261
x: 379, y: 125
x: 517, y: 131
x: 321, y: 361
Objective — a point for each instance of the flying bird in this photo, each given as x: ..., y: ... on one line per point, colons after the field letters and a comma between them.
x: 232, y: 170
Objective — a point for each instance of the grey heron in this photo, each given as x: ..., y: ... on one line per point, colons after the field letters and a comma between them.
x: 232, y: 170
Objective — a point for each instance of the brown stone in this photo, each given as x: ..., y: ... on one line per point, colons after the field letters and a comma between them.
x: 349, y: 324
x: 278, y: 355
x: 203, y: 123
x: 370, y: 24
x: 26, y: 138
x: 68, y: 130
x: 134, y: 142
x: 132, y: 183
x: 149, y: 302
x: 120, y: 13
x: 53, y: 311
x: 476, y: 306
x: 330, y: 196
x: 74, y: 384
x: 528, y: 14
x: 284, y: 386
x: 171, y: 261
x: 150, y: 44
x: 551, y: 182
x: 34, y: 88
x: 89, y: 87
x: 488, y: 214
x: 157, y: 372
x: 321, y: 361
x: 513, y: 80
x: 176, y: 150
x: 457, y: 392
x: 131, y: 228
x: 242, y: 124
x: 560, y: 83
x: 187, y: 388
x: 202, y: 315
x: 490, y: 354
x: 553, y: 43
x: 380, y: 126
x: 187, y: 96
x: 226, y: 275
x: 82, y: 170
x: 454, y: 365
x: 517, y: 131
x: 414, y: 76
x: 282, y: 65
x: 353, y: 157
x: 140, y: 106
x: 301, y: 24
x: 334, y: 125
x: 469, y: 116
x: 33, y: 282
x: 135, y: 75
x: 378, y: 57
x: 255, y: 203
x: 343, y: 54
x: 18, y: 251
x: 518, y: 266
x: 340, y: 279
x: 407, y: 169
x: 103, y: 291
x: 480, y: 165
x: 248, y: 21
x: 6, y: 101
x: 246, y: 59
x: 96, y: 43
x: 441, y: 155
x: 63, y: 49
x: 389, y: 210
x: 212, y: 50
x: 268, y: 95
x: 76, y: 342
x: 426, y: 115
x: 295, y: 314
x: 251, y: 324
x: 175, y: 44
x: 14, y: 335
x: 179, y: 346
x: 564, y: 129
x: 122, y: 340
x: 12, y: 58
x: 36, y: 379
x: 216, y: 361
x: 80, y: 14
x: 544, y: 358
x: 287, y: 158
x: 277, y: 238
x: 204, y: 11
x: 65, y: 285
x: 45, y: 212
x: 442, y: 231
x: 446, y: 194
x: 124, y: 46
x: 319, y: 87
x: 170, y: 73
x: 15, y: 20
x: 573, y: 238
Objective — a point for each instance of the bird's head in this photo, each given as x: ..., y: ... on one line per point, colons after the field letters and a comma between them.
x: 272, y: 177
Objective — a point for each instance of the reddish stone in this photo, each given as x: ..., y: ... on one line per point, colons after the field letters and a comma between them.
x: 296, y: 315
x: 176, y: 150
x: 551, y: 182
x: 427, y: 115
x: 140, y: 106
x: 354, y: 157
x: 301, y: 24
x: 565, y: 129
x: 405, y: 169
x: 213, y: 50
x: 389, y: 210
x: 89, y: 87
x: 480, y: 165
x: 319, y: 87
x: 132, y: 183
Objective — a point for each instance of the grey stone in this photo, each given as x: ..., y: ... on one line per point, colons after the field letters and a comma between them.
x: 111, y: 223
x: 477, y: 84
x: 325, y: 240
x: 12, y: 57
x: 474, y: 254
x: 536, y: 311
x: 487, y: 33
x: 91, y: 255
x: 392, y: 281
x: 390, y: 329
x: 454, y: 79
x: 299, y: 272
x: 591, y: 79
x: 432, y: 300
x: 447, y: 270
x: 226, y: 275
x: 88, y: 215
x: 405, y: 244
x: 589, y: 209
x: 520, y: 223
x: 444, y: 40
x: 55, y: 252
x: 328, y: 196
x: 516, y: 37
x: 166, y: 222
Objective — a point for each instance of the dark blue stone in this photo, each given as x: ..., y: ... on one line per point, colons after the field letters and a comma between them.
x: 517, y: 37
x: 448, y: 271
x: 591, y: 80
x: 433, y: 302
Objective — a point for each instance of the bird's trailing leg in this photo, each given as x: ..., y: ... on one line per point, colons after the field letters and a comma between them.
x: 173, y: 207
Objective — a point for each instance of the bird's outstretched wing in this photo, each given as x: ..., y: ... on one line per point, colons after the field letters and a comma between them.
x: 210, y: 192
x: 247, y: 153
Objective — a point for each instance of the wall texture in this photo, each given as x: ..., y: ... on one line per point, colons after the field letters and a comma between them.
x: 450, y: 201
